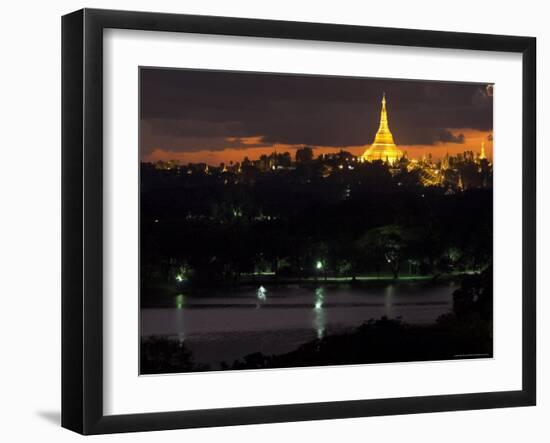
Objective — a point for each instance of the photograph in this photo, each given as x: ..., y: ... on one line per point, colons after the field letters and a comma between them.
x: 291, y: 220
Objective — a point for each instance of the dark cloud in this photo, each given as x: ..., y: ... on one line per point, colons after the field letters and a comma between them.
x: 190, y: 110
x: 446, y: 136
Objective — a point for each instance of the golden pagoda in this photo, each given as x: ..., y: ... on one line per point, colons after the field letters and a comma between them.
x: 482, y: 155
x: 383, y: 148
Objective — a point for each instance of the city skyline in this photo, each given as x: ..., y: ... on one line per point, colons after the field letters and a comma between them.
x: 216, y: 117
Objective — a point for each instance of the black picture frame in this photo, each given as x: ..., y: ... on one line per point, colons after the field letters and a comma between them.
x: 82, y: 219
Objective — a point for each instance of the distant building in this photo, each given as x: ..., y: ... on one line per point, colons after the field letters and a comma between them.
x: 304, y: 155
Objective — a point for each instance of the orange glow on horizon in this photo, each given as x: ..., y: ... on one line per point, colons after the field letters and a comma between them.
x: 472, y: 142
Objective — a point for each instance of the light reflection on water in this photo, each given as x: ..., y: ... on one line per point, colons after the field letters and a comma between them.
x: 388, y: 295
x: 261, y: 296
x: 320, y: 316
x: 279, y: 319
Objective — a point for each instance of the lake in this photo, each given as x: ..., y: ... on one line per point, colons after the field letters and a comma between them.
x: 226, y: 326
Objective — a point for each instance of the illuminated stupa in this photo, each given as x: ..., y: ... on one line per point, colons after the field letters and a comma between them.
x: 482, y: 155
x: 383, y: 148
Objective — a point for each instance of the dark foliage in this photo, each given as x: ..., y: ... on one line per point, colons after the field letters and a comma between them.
x: 218, y: 227
x: 164, y: 355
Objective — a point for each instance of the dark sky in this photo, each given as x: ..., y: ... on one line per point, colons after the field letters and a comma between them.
x: 187, y: 111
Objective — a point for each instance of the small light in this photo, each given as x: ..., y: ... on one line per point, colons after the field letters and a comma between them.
x: 261, y: 293
x: 319, y: 265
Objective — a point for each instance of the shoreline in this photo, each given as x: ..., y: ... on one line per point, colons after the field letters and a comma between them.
x: 375, y: 341
x: 165, y: 296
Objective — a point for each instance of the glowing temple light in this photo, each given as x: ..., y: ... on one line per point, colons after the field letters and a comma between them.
x: 179, y: 278
x: 383, y: 148
x: 319, y: 265
x: 482, y: 155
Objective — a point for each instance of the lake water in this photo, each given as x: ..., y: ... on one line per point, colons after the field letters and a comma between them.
x: 274, y: 320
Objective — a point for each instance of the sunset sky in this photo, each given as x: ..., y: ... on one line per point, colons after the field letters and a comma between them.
x: 218, y: 116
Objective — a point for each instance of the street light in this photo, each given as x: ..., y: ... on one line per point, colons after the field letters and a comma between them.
x: 320, y: 266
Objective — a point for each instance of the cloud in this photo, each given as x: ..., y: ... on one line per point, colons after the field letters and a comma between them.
x: 194, y: 128
x: 191, y: 111
x: 447, y: 136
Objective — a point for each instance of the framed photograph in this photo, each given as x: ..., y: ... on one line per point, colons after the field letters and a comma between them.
x: 269, y: 221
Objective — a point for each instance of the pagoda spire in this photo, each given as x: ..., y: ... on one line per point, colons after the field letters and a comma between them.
x: 482, y: 154
x: 383, y: 147
x: 384, y: 135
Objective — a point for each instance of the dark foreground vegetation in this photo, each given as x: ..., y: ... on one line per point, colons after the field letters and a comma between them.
x: 312, y: 220
x: 464, y: 333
